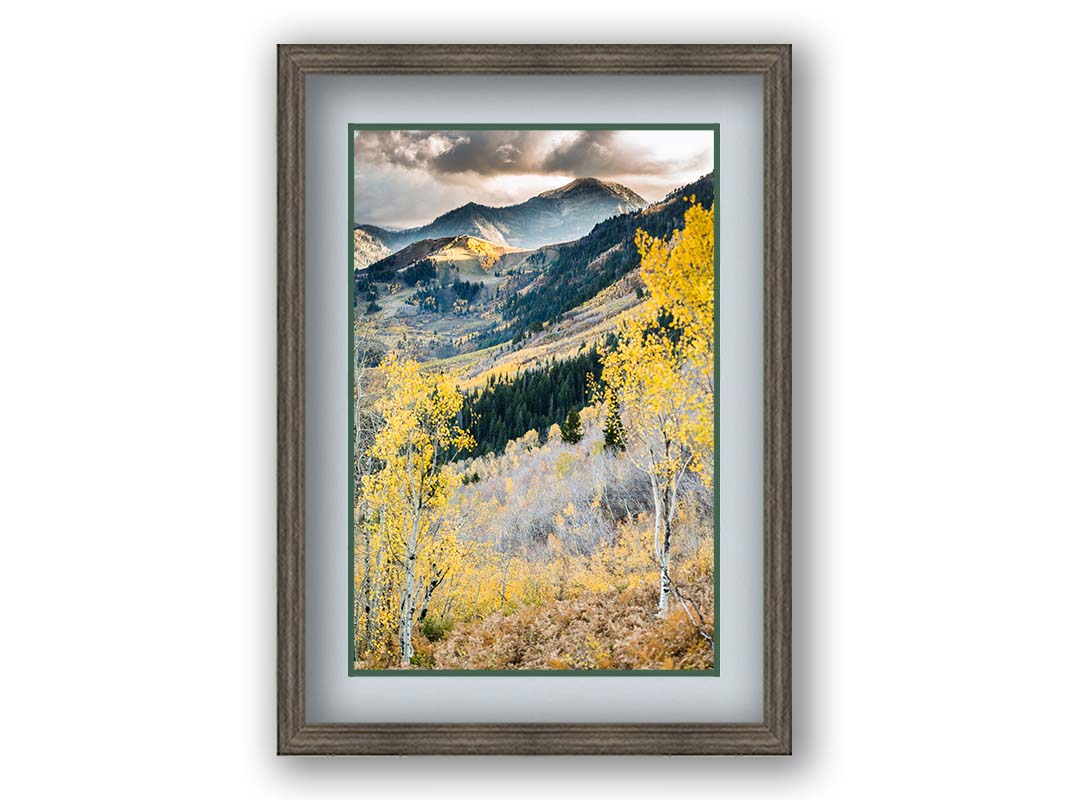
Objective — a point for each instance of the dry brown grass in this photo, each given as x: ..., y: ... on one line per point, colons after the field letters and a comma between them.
x: 604, y: 630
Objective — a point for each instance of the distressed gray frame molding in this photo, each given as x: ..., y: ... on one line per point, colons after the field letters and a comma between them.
x: 773, y: 736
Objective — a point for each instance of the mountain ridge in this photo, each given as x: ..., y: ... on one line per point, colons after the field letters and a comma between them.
x: 580, y: 269
x: 444, y: 248
x: 562, y: 214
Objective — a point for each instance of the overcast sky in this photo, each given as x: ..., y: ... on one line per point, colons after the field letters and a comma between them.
x: 406, y: 178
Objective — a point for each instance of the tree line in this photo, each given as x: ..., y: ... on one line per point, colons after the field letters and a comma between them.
x: 455, y: 296
x: 534, y: 399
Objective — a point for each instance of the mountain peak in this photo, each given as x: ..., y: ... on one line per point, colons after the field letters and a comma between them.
x: 584, y: 183
x: 595, y: 186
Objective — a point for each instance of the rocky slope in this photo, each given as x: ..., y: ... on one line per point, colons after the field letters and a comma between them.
x: 367, y: 248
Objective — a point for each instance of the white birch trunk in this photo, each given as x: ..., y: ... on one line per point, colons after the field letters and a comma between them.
x: 661, y: 540
x: 365, y: 591
x: 407, y: 610
x: 665, y: 566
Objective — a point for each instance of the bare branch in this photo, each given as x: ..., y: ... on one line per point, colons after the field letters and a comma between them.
x: 689, y: 607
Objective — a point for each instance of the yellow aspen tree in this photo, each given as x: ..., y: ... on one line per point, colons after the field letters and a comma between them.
x: 364, y: 424
x: 413, y: 486
x: 662, y: 372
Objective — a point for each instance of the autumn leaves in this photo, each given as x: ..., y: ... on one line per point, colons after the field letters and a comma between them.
x: 408, y: 496
x: 661, y: 372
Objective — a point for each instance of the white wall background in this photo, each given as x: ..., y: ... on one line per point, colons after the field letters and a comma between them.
x: 137, y: 430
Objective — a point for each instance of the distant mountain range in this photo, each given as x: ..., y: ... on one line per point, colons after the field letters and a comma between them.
x: 559, y: 215
x: 480, y: 293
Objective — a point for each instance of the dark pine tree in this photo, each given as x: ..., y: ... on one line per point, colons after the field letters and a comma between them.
x: 614, y: 435
x: 571, y: 432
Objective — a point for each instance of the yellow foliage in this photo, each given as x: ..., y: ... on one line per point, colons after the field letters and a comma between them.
x: 530, y: 440
x: 410, y: 525
x: 661, y: 373
x: 563, y: 464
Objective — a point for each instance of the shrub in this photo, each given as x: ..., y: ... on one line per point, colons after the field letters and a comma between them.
x: 595, y: 630
x: 435, y: 629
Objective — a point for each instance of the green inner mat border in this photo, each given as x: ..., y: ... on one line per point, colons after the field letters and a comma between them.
x: 530, y: 673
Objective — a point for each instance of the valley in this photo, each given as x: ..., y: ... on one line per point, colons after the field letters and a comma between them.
x: 549, y: 300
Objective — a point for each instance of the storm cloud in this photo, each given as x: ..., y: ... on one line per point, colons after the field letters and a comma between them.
x: 592, y: 152
x: 509, y: 152
x: 407, y: 177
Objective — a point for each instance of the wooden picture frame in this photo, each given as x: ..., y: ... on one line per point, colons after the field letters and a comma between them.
x: 772, y: 736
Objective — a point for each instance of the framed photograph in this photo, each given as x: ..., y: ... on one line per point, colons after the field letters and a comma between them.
x: 534, y: 399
